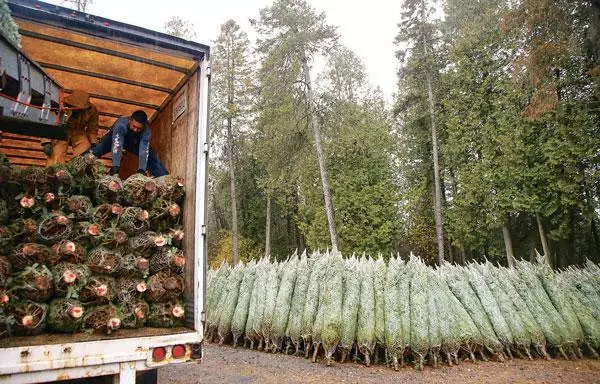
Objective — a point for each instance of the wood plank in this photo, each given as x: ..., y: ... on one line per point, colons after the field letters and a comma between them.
x: 12, y: 144
x: 55, y: 53
x: 161, y: 136
x: 175, y: 143
x: 12, y: 153
x: 104, y: 43
x: 19, y: 143
x: 18, y: 137
x: 106, y: 121
x: 27, y: 162
x: 36, y: 154
x: 120, y: 109
x: 32, y: 139
x: 120, y: 90
x: 22, y: 161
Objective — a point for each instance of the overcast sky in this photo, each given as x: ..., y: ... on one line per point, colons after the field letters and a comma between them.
x: 368, y: 28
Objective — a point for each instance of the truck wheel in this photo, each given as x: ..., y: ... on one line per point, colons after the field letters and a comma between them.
x: 147, y: 377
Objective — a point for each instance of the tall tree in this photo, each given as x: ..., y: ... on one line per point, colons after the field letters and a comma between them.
x: 356, y: 134
x: 302, y: 33
x: 484, y: 136
x: 179, y: 27
x: 520, y: 127
x: 556, y: 69
x: 232, y: 86
x: 268, y: 229
x: 416, y: 38
x: 344, y: 78
x: 82, y: 5
x: 281, y: 141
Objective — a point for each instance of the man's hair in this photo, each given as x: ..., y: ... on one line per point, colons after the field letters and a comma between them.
x: 140, y: 116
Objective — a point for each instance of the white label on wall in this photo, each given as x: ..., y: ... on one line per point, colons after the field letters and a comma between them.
x: 180, y: 103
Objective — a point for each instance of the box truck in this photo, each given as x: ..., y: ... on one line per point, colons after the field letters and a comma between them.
x: 124, y: 68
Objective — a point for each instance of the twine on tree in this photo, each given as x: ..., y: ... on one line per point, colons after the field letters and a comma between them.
x: 30, y: 318
x: 103, y: 260
x: 55, y: 227
x: 139, y: 190
x: 65, y: 315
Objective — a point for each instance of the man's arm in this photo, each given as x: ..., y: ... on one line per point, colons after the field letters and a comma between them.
x: 92, y: 125
x: 144, y: 149
x: 119, y: 129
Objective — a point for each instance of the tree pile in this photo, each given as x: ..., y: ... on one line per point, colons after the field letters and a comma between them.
x: 80, y: 250
x: 404, y: 311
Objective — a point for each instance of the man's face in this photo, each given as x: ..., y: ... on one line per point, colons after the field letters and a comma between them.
x: 135, y: 126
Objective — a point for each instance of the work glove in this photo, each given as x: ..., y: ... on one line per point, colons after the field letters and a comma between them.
x: 114, y: 171
x: 47, y: 149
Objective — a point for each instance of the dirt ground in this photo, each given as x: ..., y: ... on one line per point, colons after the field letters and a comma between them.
x: 229, y: 365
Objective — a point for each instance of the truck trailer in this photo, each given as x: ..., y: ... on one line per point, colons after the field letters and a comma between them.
x: 124, y: 68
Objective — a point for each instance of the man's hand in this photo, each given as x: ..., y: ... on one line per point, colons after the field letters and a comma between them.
x: 47, y: 149
x: 114, y: 171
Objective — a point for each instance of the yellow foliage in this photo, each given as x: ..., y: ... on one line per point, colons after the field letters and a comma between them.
x: 224, y: 249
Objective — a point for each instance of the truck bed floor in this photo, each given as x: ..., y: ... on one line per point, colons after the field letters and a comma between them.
x: 63, y: 338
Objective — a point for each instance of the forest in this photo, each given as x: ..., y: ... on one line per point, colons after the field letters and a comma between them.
x: 490, y: 148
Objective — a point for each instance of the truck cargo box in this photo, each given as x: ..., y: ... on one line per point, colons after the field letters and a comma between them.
x: 124, y: 68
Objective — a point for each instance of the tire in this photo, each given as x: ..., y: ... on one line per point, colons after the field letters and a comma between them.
x: 147, y: 377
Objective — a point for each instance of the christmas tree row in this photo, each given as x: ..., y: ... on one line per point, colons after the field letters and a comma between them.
x: 404, y: 310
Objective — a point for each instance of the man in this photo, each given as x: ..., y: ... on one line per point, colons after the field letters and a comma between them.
x: 133, y: 134
x: 82, y: 129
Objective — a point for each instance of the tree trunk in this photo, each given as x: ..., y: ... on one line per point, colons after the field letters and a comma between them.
x: 571, y: 245
x: 543, y: 239
x: 300, y: 240
x: 596, y: 239
x: 510, y: 257
x: 463, y: 255
x: 268, y: 228
x: 230, y: 98
x: 234, y: 226
x: 314, y: 123
x: 82, y: 5
x: 230, y: 102
x: 453, y: 189
x: 439, y: 225
x: 532, y: 253
x: 594, y: 29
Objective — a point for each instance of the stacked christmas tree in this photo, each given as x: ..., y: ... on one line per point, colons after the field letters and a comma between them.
x: 80, y: 250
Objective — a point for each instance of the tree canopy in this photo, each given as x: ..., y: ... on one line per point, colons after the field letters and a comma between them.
x: 511, y: 88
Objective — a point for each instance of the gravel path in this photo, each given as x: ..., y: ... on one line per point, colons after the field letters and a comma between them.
x: 228, y: 365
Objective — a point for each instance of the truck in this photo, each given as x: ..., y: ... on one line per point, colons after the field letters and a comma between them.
x: 124, y: 68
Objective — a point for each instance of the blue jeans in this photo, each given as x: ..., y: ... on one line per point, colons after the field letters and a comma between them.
x: 104, y: 146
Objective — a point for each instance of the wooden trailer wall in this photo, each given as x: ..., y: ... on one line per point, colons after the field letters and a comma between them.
x: 121, y: 77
